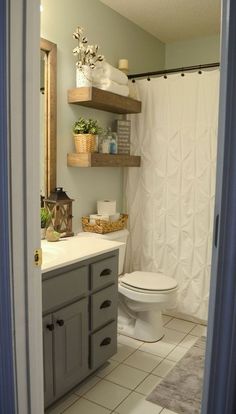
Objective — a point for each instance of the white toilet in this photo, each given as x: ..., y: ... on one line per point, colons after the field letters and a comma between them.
x: 142, y: 296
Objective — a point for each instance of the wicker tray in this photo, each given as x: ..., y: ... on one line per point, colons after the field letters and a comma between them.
x: 103, y: 226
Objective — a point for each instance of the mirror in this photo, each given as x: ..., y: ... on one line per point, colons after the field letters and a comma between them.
x: 48, y: 116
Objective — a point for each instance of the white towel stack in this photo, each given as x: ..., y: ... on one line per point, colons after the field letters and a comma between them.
x: 110, y: 79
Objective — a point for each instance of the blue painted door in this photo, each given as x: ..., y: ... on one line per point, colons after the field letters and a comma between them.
x: 7, y: 392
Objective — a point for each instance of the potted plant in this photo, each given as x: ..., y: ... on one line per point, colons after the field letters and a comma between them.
x: 85, y: 132
x: 87, y: 57
x: 45, y: 217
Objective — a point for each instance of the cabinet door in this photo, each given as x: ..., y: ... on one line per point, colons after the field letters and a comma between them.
x: 48, y: 328
x: 70, y: 346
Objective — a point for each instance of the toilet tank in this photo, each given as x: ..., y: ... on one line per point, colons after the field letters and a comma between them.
x: 120, y: 235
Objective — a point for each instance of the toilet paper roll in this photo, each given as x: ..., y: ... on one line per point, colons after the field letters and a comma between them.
x: 106, y: 207
x: 94, y: 217
x: 114, y: 217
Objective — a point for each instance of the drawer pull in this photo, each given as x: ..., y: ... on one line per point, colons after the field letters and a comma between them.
x: 106, y: 272
x: 60, y: 322
x: 105, y: 304
x: 50, y: 327
x: 106, y: 341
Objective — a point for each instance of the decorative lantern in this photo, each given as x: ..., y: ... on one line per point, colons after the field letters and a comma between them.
x: 59, y: 206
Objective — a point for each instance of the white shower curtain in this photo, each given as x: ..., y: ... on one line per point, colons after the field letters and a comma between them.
x: 170, y: 199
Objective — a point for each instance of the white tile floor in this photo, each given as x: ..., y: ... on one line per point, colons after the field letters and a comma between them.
x: 121, y: 386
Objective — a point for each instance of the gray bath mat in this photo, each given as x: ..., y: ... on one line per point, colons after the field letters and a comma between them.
x: 181, y: 390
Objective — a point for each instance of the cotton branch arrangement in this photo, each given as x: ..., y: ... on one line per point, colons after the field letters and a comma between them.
x: 86, y: 54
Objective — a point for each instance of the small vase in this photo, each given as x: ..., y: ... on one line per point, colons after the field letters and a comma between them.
x: 83, y: 77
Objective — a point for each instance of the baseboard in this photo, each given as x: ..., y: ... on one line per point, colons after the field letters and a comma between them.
x: 185, y: 317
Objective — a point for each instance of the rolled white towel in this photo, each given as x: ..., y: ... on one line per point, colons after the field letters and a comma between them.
x: 114, y: 87
x: 104, y: 70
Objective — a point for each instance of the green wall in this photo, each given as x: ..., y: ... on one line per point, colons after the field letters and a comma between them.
x: 192, y: 52
x: 118, y: 38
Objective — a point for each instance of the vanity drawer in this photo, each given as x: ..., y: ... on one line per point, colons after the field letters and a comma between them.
x: 64, y: 288
x: 104, y: 306
x: 103, y: 345
x: 104, y: 272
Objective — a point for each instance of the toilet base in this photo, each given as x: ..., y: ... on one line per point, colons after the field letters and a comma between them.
x: 145, y: 326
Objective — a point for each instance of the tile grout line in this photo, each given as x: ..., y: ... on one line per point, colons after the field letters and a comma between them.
x: 71, y: 404
x: 79, y: 396
x: 112, y: 409
x: 125, y: 399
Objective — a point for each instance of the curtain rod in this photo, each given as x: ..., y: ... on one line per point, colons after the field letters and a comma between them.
x: 167, y: 71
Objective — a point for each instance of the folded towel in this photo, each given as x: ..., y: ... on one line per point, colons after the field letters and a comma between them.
x: 104, y: 70
x: 114, y: 87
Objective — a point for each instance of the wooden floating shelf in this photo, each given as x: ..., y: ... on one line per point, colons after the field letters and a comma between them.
x: 104, y: 100
x: 103, y: 160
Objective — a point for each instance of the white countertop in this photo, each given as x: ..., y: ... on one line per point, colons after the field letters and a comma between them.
x: 73, y: 249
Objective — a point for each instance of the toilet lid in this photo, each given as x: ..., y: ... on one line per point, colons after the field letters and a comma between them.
x: 148, y: 281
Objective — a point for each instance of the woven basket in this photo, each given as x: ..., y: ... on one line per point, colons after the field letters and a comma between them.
x: 85, y: 143
x: 103, y: 226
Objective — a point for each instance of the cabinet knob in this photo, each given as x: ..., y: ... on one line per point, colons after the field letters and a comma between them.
x: 105, y: 304
x: 106, y: 272
x: 60, y: 322
x: 106, y: 341
x: 50, y: 326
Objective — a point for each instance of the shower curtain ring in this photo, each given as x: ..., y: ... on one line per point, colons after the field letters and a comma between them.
x: 148, y: 79
x: 165, y: 76
x: 133, y: 80
x: 199, y: 72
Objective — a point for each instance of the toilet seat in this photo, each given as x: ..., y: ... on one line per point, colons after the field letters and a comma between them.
x: 148, y: 282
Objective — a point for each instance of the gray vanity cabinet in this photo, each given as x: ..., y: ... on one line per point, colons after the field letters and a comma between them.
x: 79, y: 322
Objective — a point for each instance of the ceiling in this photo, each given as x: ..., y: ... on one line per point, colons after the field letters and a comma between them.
x: 171, y: 20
